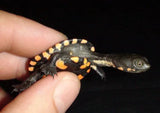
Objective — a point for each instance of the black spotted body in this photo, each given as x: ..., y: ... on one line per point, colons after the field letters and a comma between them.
x: 79, y: 56
x: 69, y: 55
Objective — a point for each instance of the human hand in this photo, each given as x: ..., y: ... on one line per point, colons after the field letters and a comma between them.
x: 20, y: 39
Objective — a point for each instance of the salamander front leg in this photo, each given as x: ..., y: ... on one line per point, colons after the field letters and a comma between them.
x: 49, y: 68
x: 99, y: 71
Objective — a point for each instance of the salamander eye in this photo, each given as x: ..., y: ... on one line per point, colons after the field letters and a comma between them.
x: 139, y: 63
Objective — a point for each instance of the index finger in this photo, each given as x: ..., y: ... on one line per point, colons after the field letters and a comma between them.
x: 25, y: 37
x: 21, y: 38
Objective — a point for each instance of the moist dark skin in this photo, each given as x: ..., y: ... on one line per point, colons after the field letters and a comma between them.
x: 131, y: 63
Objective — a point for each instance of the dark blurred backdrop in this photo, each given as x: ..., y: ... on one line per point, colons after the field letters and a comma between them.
x: 113, y: 27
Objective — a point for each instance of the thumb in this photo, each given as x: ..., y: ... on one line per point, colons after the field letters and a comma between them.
x: 48, y: 95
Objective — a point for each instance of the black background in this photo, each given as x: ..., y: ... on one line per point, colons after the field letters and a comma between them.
x: 113, y: 27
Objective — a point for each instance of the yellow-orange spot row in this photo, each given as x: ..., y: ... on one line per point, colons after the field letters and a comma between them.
x: 33, y: 63
x: 46, y: 55
x: 37, y: 58
x: 60, y: 64
x: 30, y: 69
x: 92, y: 49
x: 120, y: 68
x: 74, y: 41
x: 80, y: 77
x: 75, y: 59
x: 84, y: 41
x: 66, y: 43
x: 58, y: 46
x: 51, y: 50
x: 88, y: 70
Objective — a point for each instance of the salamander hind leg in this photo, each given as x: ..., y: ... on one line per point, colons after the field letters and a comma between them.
x: 48, y: 68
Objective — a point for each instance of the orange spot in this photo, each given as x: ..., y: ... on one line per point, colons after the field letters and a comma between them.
x: 83, y: 41
x: 129, y: 69
x: 46, y: 55
x: 80, y: 77
x: 60, y: 64
x: 58, y: 46
x: 66, y: 43
x: 85, y: 61
x: 83, y: 66
x: 92, y: 49
x: 120, y: 68
x: 74, y: 41
x: 44, y: 76
x: 30, y: 69
x: 88, y: 70
x: 133, y: 70
x: 37, y: 58
x: 51, y: 50
x: 113, y: 66
x: 33, y: 63
x: 75, y: 59
x: 88, y: 64
x: 71, y: 53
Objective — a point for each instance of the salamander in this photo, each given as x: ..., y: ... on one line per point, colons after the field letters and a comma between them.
x: 79, y: 56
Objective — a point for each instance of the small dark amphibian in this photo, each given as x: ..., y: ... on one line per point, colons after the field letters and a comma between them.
x: 79, y: 56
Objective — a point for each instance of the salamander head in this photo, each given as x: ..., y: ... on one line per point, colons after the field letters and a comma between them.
x: 132, y: 63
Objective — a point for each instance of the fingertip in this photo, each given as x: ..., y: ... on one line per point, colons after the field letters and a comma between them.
x: 50, y: 95
x: 66, y: 91
x: 36, y: 99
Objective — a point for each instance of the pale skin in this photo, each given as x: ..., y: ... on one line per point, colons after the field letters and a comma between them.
x: 20, y: 39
